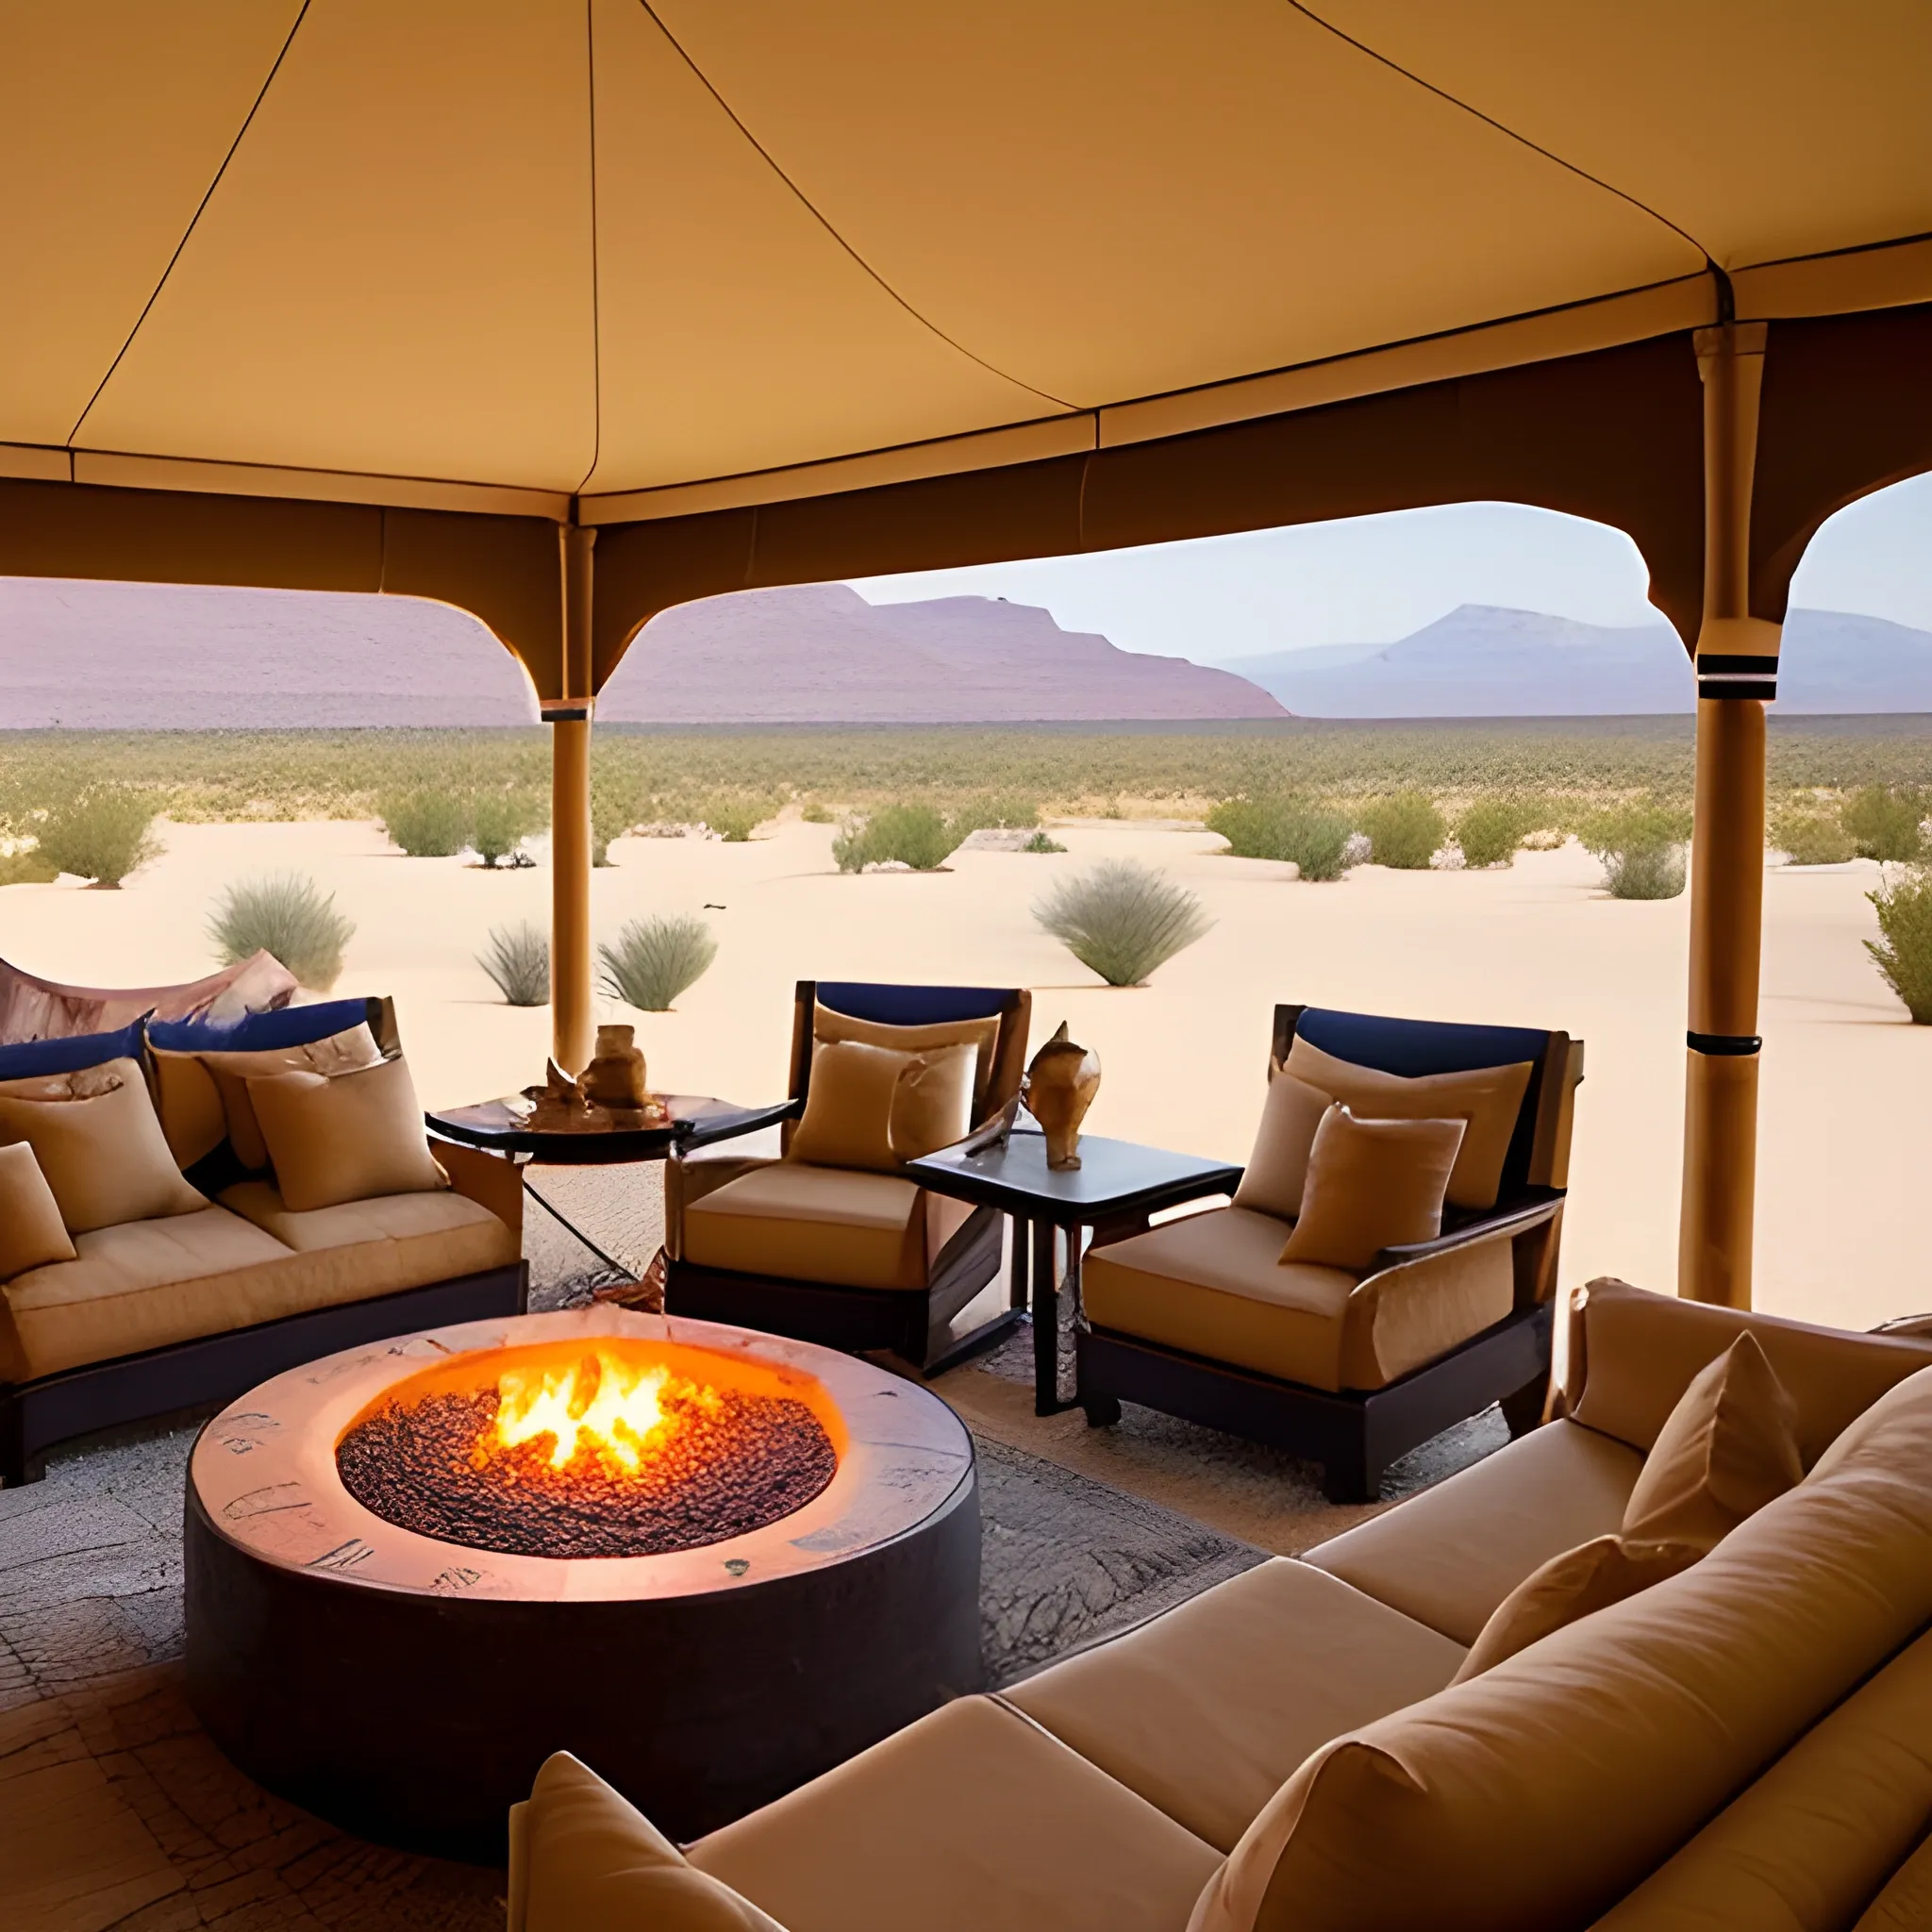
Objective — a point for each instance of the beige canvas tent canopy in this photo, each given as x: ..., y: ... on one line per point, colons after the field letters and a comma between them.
x: 492, y: 301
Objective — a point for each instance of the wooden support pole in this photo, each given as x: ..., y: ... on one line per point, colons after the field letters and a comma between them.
x: 573, y: 1014
x: 1736, y: 673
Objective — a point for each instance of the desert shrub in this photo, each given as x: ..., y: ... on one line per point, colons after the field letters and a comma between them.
x: 1123, y: 920
x: 914, y: 835
x: 996, y: 813
x: 1404, y: 830
x: 613, y: 812
x: 654, y: 960
x: 499, y: 822
x: 1040, y: 842
x: 427, y: 823
x: 816, y: 812
x: 1310, y: 836
x: 1903, y: 949
x: 1810, y: 838
x: 1641, y: 846
x: 1883, y: 822
x: 1490, y: 830
x: 289, y: 916
x: 518, y: 961
x: 29, y: 866
x: 734, y: 820
x: 102, y: 833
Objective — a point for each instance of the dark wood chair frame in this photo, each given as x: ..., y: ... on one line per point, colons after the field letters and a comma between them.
x: 37, y: 1415
x: 915, y: 1325
x: 1355, y: 1434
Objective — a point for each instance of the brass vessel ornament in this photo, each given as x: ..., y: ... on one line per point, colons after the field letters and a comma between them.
x: 1059, y: 1089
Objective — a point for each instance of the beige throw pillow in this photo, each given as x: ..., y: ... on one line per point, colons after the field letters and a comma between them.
x: 1277, y: 1168
x: 869, y: 1107
x: 31, y: 1232
x: 829, y: 1028
x: 1592, y: 1577
x: 103, y: 1157
x: 1371, y: 1185
x: 340, y: 1053
x: 1488, y: 1098
x: 1729, y: 1447
x: 350, y: 1137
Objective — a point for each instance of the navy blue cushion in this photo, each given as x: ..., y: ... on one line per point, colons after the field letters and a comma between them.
x: 260, y: 1032
x: 1414, y: 1047
x: 912, y: 1006
x: 33, y: 1058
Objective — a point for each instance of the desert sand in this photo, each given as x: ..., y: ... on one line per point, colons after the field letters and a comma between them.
x: 1845, y: 1137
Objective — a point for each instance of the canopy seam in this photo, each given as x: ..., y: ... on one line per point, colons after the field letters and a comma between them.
x: 195, y: 220
x: 810, y: 207
x: 1502, y: 127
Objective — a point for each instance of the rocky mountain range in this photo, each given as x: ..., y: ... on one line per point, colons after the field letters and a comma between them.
x: 1481, y: 661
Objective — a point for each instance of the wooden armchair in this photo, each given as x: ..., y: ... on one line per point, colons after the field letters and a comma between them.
x: 1202, y: 1319
x: 850, y: 1258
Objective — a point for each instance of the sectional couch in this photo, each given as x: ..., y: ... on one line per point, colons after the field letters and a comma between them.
x: 204, y: 1279
x: 1743, y: 1745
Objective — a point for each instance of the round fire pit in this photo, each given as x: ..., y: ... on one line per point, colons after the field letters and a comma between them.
x: 712, y: 1563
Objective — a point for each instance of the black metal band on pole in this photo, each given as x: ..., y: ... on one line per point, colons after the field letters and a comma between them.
x: 1723, y: 1045
x: 1736, y: 674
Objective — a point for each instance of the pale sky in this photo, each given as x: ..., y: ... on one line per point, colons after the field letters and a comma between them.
x: 1373, y: 580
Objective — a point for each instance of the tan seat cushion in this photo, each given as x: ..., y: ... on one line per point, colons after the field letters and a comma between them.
x: 982, y: 1036
x: 1640, y: 1721
x: 1450, y: 1556
x: 1591, y: 1577
x: 1371, y: 1185
x: 970, y: 1820
x: 583, y: 1859
x: 1214, y: 1284
x: 812, y: 1224
x: 1811, y: 1841
x: 344, y: 1137
x: 105, y: 1157
x: 1204, y: 1710
x: 1272, y: 1179
x: 1906, y: 1904
x: 1640, y: 1351
x: 435, y: 1236
x: 147, y: 1284
x: 31, y: 1232
x: 1726, y: 1450
x: 1489, y: 1099
x: 185, y: 1103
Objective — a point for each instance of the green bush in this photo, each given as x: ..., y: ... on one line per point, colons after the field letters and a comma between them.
x: 101, y: 834
x: 815, y: 812
x: 1641, y: 846
x: 499, y: 822
x: 1040, y: 842
x: 427, y: 823
x: 29, y: 866
x: 1308, y: 836
x: 613, y: 812
x: 1490, y: 830
x: 735, y: 820
x: 518, y: 961
x: 1904, y: 951
x: 1883, y: 822
x: 1404, y: 830
x: 1123, y: 920
x: 914, y: 835
x: 654, y: 960
x: 288, y: 916
x: 1810, y: 838
x: 996, y: 813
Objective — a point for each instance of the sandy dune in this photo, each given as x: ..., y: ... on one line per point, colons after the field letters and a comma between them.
x: 1846, y: 1135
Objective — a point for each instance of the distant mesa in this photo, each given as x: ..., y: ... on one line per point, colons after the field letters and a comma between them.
x: 1482, y: 661
x: 819, y: 653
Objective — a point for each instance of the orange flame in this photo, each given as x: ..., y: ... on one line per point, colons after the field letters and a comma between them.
x: 602, y: 1406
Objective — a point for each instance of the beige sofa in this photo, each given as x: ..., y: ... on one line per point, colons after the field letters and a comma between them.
x: 1745, y: 1745
x: 192, y: 1306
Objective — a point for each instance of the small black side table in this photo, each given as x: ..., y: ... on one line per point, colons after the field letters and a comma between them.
x: 1113, y: 1191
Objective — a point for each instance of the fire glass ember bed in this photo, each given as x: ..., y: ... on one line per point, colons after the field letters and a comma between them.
x: 712, y: 1563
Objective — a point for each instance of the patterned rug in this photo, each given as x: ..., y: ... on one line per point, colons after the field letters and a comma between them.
x: 116, y: 1811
